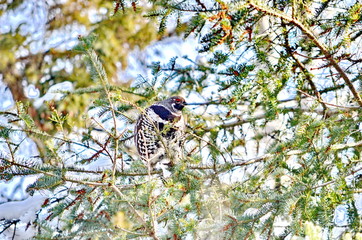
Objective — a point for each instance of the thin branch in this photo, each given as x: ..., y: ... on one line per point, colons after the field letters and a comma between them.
x: 326, y: 103
x: 68, y: 141
x: 97, y: 65
x: 9, y: 224
x: 140, y: 218
x: 304, y: 69
x: 228, y: 166
x: 333, y: 181
x: 208, y: 143
x: 241, y: 121
x: 315, y: 40
x: 66, y: 179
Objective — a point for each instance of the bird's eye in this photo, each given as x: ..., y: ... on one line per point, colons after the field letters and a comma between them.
x: 178, y: 100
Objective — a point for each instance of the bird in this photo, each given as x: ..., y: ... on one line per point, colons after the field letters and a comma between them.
x: 159, y: 134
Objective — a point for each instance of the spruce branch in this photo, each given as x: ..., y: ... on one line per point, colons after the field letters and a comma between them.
x: 135, y: 212
x: 307, y: 74
x: 314, y: 39
x: 64, y: 170
x: 97, y: 66
x: 47, y: 173
x: 326, y: 103
x: 237, y: 163
x: 47, y: 136
x: 240, y: 121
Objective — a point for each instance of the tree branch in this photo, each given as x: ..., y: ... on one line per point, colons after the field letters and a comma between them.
x: 302, y: 68
x: 140, y: 218
x: 314, y: 39
x: 227, y: 166
x: 241, y: 121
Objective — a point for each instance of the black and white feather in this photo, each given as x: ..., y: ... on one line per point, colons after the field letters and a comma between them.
x: 159, y: 133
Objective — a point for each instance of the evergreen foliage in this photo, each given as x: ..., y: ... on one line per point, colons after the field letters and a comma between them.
x: 273, y: 148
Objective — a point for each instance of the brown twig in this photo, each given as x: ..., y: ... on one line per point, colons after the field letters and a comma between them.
x: 304, y: 70
x: 326, y: 103
x: 316, y: 42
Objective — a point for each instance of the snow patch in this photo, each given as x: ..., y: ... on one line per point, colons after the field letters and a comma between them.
x: 54, y: 93
x: 24, y: 210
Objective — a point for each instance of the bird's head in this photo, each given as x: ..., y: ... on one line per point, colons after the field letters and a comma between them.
x: 176, y: 103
